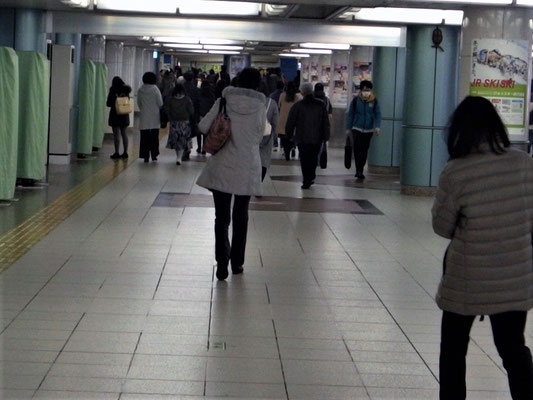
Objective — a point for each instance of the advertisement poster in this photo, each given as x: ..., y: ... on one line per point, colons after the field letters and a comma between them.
x: 361, y: 71
x: 325, y: 77
x: 499, y: 72
x: 305, y: 72
x: 340, y: 86
x: 237, y: 64
x: 314, y: 72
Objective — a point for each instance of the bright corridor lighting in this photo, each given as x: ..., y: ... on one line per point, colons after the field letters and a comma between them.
x: 223, y: 52
x: 332, y: 46
x: 408, y: 15
x: 312, y: 51
x: 199, y: 7
x: 294, y: 55
x: 468, y: 1
x: 212, y: 47
x: 183, y: 46
x: 528, y: 3
x: 175, y: 39
x: 219, y: 41
x: 218, y: 7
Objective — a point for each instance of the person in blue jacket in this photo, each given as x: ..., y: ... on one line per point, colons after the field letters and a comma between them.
x: 363, y: 121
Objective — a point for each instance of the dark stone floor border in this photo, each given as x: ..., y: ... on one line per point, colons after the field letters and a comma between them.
x: 273, y: 203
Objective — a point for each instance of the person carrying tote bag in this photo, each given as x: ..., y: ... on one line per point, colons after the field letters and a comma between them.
x: 118, y: 122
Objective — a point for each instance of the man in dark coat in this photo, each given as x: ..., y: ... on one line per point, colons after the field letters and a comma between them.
x: 308, y: 122
x: 191, y: 90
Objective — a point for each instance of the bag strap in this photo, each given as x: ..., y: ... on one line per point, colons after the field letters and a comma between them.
x: 222, y: 105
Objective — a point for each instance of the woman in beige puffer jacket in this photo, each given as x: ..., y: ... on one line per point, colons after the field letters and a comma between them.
x: 484, y: 204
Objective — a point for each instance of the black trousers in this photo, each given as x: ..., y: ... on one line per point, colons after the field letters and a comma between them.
x: 149, y: 143
x: 508, y: 332
x: 361, y: 143
x: 119, y: 131
x: 263, y: 173
x: 287, y: 145
x: 199, y: 141
x: 224, y: 252
x: 308, y: 160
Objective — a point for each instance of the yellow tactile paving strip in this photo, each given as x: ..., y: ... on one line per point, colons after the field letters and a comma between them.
x: 17, y: 241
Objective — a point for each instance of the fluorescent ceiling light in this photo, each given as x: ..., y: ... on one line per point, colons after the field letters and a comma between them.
x: 223, y: 52
x: 467, y: 1
x: 294, y: 55
x: 183, y: 46
x: 173, y: 39
x: 312, y: 51
x: 218, y: 7
x: 76, y: 3
x: 407, y: 15
x: 212, y: 47
x: 524, y: 3
x: 184, y: 6
x: 192, y: 51
x: 155, y: 6
x: 333, y: 46
x: 219, y: 41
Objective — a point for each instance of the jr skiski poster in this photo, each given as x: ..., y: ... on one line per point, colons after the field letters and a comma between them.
x: 499, y: 72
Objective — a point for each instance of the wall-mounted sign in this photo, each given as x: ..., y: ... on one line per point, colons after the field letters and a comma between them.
x: 499, y: 72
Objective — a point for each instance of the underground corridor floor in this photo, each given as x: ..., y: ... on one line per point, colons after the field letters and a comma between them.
x: 118, y: 299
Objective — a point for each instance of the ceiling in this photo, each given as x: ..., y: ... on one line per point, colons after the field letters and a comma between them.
x: 323, y: 12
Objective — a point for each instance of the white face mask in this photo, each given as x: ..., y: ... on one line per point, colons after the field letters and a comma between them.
x: 365, y: 94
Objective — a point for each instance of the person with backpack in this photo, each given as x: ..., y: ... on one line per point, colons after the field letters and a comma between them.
x: 117, y: 122
x: 363, y: 121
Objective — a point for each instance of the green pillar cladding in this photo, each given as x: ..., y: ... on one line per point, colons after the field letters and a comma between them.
x: 430, y: 97
x: 389, y: 83
x: 100, y: 99
x: 86, y: 108
x: 34, y: 92
x: 29, y: 30
x: 9, y: 119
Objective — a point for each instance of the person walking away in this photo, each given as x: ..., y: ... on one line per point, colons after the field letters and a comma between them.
x: 286, y: 101
x: 118, y: 123
x: 265, y: 148
x: 308, y: 122
x: 150, y: 101
x: 275, y: 96
x: 206, y: 101
x: 484, y: 205
x: 235, y: 170
x: 180, y: 111
x: 223, y: 75
x: 169, y: 82
x: 363, y: 121
x: 192, y: 91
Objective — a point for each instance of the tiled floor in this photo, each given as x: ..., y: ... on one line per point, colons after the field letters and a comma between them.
x: 120, y: 302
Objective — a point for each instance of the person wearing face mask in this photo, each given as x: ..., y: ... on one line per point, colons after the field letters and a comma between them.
x: 363, y: 121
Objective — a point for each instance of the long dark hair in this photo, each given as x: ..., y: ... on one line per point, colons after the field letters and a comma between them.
x: 473, y: 122
x: 290, y: 96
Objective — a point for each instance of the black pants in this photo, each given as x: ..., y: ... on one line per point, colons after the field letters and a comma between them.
x: 508, y: 332
x: 223, y: 216
x: 287, y: 145
x: 199, y: 141
x: 361, y: 143
x: 308, y: 160
x: 149, y: 144
x: 263, y: 173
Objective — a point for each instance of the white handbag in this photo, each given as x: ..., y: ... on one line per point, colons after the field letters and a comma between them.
x: 268, y: 127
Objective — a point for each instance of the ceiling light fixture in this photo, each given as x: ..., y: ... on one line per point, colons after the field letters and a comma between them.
x: 294, y: 55
x: 223, y: 52
x: 492, y: 2
x: 76, y: 3
x: 152, y: 6
x: 218, y: 7
x: 312, y: 51
x: 213, y: 47
x: 183, y: 45
x: 173, y: 39
x: 332, y: 46
x: 406, y: 15
x: 219, y: 41
x: 527, y: 3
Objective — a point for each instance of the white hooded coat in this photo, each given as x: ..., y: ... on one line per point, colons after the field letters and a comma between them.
x: 236, y: 168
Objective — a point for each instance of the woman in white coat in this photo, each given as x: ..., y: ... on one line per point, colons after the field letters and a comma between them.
x: 484, y: 205
x: 235, y: 170
x: 150, y: 102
